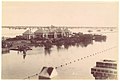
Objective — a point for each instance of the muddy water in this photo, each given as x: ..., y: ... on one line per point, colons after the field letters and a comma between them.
x: 18, y: 66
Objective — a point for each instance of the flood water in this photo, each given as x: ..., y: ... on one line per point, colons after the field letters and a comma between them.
x: 19, y: 66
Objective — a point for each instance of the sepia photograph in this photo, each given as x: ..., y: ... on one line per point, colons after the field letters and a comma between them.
x: 59, y: 40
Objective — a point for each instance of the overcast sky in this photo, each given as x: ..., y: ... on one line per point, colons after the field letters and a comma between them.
x: 60, y: 13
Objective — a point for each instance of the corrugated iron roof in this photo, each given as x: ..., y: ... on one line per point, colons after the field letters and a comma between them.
x: 39, y: 31
x: 27, y: 32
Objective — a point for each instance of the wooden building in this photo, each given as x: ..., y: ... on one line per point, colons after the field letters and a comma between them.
x: 39, y: 34
x: 28, y: 34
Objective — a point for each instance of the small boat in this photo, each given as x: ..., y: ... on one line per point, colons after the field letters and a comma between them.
x: 111, y: 30
x: 20, y: 49
x: 16, y: 49
x: 98, y: 30
x: 90, y: 31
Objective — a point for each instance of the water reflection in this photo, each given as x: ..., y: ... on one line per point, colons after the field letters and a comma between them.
x: 24, y: 55
x: 40, y: 56
x: 47, y: 51
x: 67, y: 44
x: 76, y: 40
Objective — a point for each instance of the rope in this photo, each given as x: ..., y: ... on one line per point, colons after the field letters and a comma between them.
x: 62, y: 65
